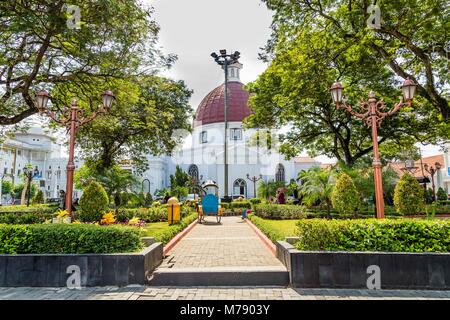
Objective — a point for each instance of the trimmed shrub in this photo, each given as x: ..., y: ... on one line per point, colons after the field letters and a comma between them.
x: 262, y: 225
x: 24, y: 218
x: 280, y: 211
x: 174, y: 229
x: 255, y: 200
x: 68, y: 238
x: 408, y: 196
x: 39, y: 197
x: 399, y: 235
x: 40, y: 208
x: 93, y: 203
x: 441, y: 194
x: 345, y: 198
x: 243, y: 204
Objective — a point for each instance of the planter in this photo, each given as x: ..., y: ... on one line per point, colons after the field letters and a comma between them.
x: 339, y: 269
x: 53, y: 270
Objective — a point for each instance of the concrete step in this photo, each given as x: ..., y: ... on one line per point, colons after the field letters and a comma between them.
x: 220, y: 276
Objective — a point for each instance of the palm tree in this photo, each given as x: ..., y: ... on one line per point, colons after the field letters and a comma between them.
x: 266, y: 189
x: 116, y: 181
x: 317, y: 185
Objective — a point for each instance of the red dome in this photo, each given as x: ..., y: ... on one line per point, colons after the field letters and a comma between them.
x: 211, y: 109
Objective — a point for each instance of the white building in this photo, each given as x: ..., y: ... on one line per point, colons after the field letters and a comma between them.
x: 39, y: 149
x: 203, y: 154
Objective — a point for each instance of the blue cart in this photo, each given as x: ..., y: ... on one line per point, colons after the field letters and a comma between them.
x: 210, y: 202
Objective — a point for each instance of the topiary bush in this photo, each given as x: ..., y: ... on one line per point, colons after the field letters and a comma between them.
x: 408, y: 196
x: 255, y: 200
x: 441, y: 194
x: 68, y: 238
x: 93, y: 203
x: 399, y: 235
x: 345, y: 197
x: 39, y: 197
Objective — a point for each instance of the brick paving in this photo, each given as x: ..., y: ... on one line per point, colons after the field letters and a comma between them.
x: 214, y: 293
x: 229, y: 244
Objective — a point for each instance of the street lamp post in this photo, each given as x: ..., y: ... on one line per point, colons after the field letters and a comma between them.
x: 30, y: 175
x: 226, y: 60
x: 254, y: 179
x: 72, y: 119
x: 372, y: 114
x: 432, y: 171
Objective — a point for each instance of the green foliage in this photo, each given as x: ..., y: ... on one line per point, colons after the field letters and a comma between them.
x: 255, y: 200
x: 68, y: 238
x: 400, y: 235
x: 146, y: 214
x: 7, y: 187
x: 39, y: 48
x: 25, y: 218
x: 317, y: 186
x: 408, y: 195
x: 266, y: 228
x: 19, y: 209
x: 275, y: 211
x: 93, y: 202
x: 345, y: 197
x: 19, y: 188
x: 441, y: 194
x: 266, y: 190
x: 428, y: 195
x: 174, y: 229
x: 39, y: 197
x: 117, y: 182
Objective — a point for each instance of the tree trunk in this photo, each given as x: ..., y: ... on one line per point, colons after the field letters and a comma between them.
x: 23, y: 196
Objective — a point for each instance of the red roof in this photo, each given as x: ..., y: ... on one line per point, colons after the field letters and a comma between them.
x: 211, y: 109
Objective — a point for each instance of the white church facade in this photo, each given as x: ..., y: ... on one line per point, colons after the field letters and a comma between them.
x: 202, y: 156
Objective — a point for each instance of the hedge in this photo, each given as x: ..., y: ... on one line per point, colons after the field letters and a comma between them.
x: 19, y: 209
x: 154, y: 214
x: 236, y: 205
x: 274, y: 211
x: 68, y: 238
x: 25, y: 218
x: 174, y: 229
x: 399, y: 235
x: 265, y: 228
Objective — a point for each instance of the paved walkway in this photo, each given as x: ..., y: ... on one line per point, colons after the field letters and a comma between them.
x: 213, y: 293
x: 229, y: 244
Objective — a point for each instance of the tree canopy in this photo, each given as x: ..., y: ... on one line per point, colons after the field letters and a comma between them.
x: 315, y: 43
x: 49, y: 45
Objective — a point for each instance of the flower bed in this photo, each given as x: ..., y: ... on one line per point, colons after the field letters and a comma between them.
x: 399, y: 235
x: 68, y: 238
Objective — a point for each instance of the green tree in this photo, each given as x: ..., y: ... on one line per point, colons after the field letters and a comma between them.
x: 39, y: 48
x: 408, y: 195
x: 267, y: 189
x: 151, y: 115
x: 39, y: 197
x: 116, y: 182
x: 7, y: 187
x: 411, y: 40
x: 93, y: 202
x: 316, y: 186
x: 345, y: 197
x: 441, y: 194
x: 179, y: 183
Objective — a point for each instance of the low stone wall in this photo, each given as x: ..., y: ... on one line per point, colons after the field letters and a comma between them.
x: 388, y: 270
x: 54, y: 270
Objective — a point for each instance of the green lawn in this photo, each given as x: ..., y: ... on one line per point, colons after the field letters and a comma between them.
x: 155, y: 228
x: 284, y: 227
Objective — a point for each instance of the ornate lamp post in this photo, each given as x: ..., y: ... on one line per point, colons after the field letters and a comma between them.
x: 30, y: 174
x: 226, y: 60
x: 254, y: 179
x: 432, y: 171
x: 371, y: 112
x: 72, y: 119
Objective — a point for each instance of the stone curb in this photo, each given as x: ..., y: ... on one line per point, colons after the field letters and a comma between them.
x: 269, y: 244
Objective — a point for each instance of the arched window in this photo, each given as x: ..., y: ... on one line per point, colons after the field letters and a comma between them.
x: 279, y: 174
x: 240, y: 187
x: 193, y: 172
